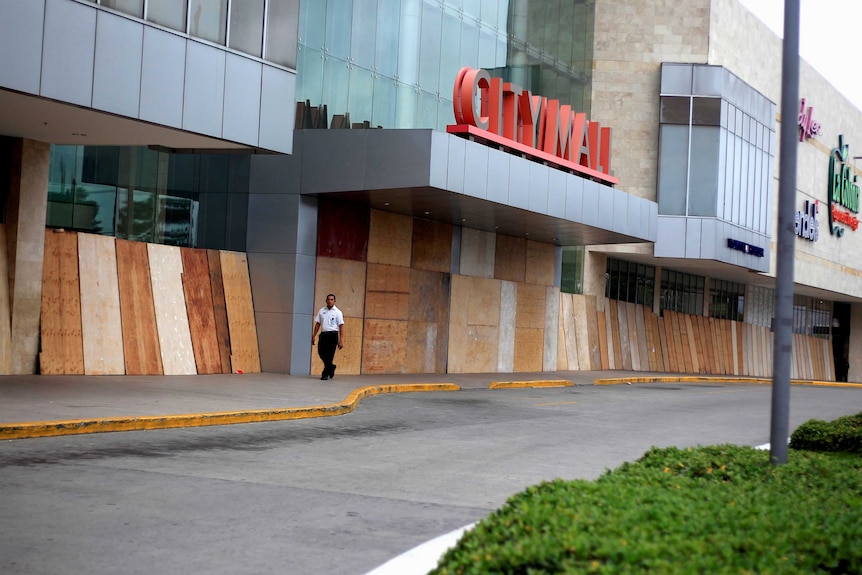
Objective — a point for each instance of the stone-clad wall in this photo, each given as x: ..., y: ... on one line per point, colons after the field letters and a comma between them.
x: 406, y: 312
x: 632, y: 39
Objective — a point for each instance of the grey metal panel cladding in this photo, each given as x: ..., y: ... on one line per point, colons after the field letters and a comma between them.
x: 455, y: 161
x: 438, y: 165
x: 538, y: 198
x: 692, y: 237
x: 274, y: 279
x: 498, y: 177
x: 476, y: 165
x: 320, y: 148
x: 277, y: 97
x: 21, y: 26
x: 637, y: 214
x: 606, y: 207
x: 575, y: 199
x: 275, y: 219
x: 117, y: 74
x: 241, y: 120
x: 557, y: 193
x: 519, y: 182
x: 669, y: 242
x: 411, y: 151
x: 676, y: 79
x: 68, y: 51
x: 590, y: 214
x: 163, y: 71
x: 203, y: 95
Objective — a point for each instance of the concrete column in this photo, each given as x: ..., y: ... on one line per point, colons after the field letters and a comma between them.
x: 25, y: 245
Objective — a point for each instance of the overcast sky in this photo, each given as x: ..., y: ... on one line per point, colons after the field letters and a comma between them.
x: 829, y: 38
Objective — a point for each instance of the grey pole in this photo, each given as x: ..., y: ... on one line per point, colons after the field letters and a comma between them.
x: 786, y: 237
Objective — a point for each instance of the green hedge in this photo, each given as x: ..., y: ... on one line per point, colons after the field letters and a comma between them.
x: 717, y: 509
x: 843, y: 434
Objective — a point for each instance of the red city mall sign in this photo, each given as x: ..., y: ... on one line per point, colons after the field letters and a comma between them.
x: 495, y: 111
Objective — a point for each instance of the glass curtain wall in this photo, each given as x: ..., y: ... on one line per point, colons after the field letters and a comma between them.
x: 631, y: 282
x: 392, y: 63
x: 140, y: 194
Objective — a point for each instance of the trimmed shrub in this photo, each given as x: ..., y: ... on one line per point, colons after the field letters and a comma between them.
x: 843, y: 434
x: 716, y: 509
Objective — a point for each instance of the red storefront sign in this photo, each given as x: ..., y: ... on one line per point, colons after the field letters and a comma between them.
x: 504, y: 113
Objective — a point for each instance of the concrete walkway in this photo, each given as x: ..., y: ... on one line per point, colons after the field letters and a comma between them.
x: 42, y: 405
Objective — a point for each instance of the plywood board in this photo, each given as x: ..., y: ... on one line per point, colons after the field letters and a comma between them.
x: 199, y: 305
x: 539, y: 263
x: 219, y: 310
x: 510, y: 258
x: 342, y: 230
x: 550, y: 333
x: 613, y: 319
x: 651, y: 339
x: 712, y: 350
x: 697, y: 344
x: 169, y: 302
x: 580, y: 332
x: 666, y: 340
x: 562, y: 359
x: 529, y: 347
x: 658, y: 342
x: 530, y: 312
x: 387, y: 293
x: 678, y: 337
x: 245, y: 356
x: 70, y: 296
x: 100, y: 306
x: 51, y: 321
x: 625, y: 345
x: 603, y: 340
x: 569, y: 323
x: 458, y: 306
x: 634, y: 337
x: 734, y: 341
x: 609, y: 333
x: 429, y: 296
x: 592, y: 333
x: 432, y: 246
x: 422, y: 342
x: 344, y: 278
x: 390, y: 239
x: 642, y: 335
x: 384, y: 346
x: 140, y: 333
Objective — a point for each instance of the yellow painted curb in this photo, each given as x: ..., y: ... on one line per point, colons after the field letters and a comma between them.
x: 145, y: 422
x: 715, y: 379
x: 537, y: 383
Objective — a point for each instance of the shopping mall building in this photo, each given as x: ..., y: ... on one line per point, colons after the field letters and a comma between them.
x: 487, y: 186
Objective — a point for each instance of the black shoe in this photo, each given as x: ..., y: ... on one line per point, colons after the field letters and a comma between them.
x: 332, y: 371
x: 324, y: 377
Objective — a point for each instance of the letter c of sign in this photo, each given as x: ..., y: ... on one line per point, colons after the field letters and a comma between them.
x: 468, y: 108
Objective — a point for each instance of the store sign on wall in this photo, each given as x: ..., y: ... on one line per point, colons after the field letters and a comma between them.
x: 505, y: 114
x: 843, y: 191
x: 808, y: 128
x: 805, y: 223
x: 745, y: 248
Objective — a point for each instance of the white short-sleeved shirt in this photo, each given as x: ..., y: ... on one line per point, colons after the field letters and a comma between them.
x: 330, y: 319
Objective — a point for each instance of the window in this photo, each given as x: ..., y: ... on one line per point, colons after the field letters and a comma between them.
x: 209, y: 20
x: 246, y: 27
x: 812, y: 316
x: 169, y: 13
x: 131, y: 7
x: 631, y: 282
x: 573, y: 270
x: 726, y: 299
x: 682, y: 292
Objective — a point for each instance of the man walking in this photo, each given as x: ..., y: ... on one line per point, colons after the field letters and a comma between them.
x: 331, y: 320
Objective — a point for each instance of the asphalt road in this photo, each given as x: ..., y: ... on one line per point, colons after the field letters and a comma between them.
x: 341, y: 495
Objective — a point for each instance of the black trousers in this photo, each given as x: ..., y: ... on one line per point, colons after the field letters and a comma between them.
x: 326, y: 346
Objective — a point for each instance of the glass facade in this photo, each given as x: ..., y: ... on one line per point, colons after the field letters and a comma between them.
x: 682, y: 292
x: 812, y: 316
x: 631, y: 282
x: 261, y: 28
x: 572, y: 280
x: 726, y: 299
x: 361, y: 58
x: 146, y: 195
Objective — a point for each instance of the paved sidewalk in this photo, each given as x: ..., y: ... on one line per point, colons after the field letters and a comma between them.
x: 42, y: 405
